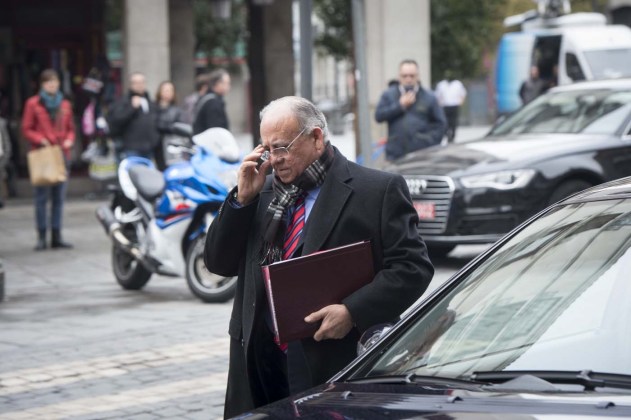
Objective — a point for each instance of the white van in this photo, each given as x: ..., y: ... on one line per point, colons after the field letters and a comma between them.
x: 566, y: 49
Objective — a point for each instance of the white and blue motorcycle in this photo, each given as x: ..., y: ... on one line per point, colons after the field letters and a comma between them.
x: 158, y: 221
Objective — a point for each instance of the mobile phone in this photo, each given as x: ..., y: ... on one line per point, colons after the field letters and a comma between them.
x: 263, y: 158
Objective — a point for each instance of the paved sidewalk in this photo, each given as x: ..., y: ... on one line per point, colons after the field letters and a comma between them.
x: 74, y: 345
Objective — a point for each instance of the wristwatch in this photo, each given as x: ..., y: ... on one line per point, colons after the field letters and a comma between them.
x: 234, y: 202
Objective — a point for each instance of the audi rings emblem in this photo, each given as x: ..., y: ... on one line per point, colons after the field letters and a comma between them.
x: 417, y: 186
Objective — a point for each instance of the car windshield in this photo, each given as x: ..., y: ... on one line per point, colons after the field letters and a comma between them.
x: 554, y: 297
x: 609, y: 64
x: 585, y: 111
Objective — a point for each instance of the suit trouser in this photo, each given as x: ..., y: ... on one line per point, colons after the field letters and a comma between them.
x: 281, y: 374
x: 271, y: 365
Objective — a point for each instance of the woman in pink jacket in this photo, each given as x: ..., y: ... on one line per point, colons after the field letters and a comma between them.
x: 48, y: 120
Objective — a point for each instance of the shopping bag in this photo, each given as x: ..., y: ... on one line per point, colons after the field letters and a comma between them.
x: 103, y: 163
x: 46, y: 166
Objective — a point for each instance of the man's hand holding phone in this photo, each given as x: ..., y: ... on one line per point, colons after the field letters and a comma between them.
x: 252, y: 174
x: 407, y: 99
x: 135, y: 101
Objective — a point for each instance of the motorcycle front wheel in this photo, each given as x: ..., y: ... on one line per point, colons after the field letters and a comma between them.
x: 129, y: 273
x: 209, y: 287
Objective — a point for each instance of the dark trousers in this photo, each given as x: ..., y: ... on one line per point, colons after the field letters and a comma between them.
x: 57, y: 195
x: 271, y: 364
x: 158, y: 154
x: 451, y: 113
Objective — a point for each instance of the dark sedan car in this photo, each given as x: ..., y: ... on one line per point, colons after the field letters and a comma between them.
x: 539, y: 326
x: 565, y: 141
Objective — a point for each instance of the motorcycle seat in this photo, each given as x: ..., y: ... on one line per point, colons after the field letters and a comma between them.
x: 149, y: 182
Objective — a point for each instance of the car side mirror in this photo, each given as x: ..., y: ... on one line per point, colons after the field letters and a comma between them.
x: 371, y: 336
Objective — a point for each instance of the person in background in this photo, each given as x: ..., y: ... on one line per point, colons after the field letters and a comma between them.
x: 132, y: 119
x: 339, y: 202
x: 451, y: 94
x: 188, y: 107
x: 553, y: 81
x: 532, y: 87
x: 415, y: 120
x: 48, y: 120
x: 168, y: 113
x: 210, y: 110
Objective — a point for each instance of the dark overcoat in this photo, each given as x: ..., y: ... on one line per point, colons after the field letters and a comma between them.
x: 354, y: 204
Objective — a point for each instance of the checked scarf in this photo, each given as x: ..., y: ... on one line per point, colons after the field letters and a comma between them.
x: 285, y: 196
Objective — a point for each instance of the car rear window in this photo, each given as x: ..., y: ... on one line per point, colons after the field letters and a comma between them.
x: 571, y: 112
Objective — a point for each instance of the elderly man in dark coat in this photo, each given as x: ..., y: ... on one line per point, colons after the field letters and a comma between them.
x: 344, y: 203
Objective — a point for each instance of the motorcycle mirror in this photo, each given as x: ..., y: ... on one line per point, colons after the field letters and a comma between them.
x: 371, y: 336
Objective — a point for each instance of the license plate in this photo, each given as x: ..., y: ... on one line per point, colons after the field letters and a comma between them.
x: 426, y: 210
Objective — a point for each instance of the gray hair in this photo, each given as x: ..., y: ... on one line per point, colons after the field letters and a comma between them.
x: 305, y: 112
x: 408, y: 61
x: 215, y: 76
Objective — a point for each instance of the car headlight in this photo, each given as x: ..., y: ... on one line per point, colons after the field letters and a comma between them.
x: 504, y: 180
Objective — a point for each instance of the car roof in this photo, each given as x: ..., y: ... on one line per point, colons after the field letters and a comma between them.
x: 622, y: 83
x: 620, y: 188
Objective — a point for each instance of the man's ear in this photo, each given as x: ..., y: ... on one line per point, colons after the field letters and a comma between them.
x: 318, y: 136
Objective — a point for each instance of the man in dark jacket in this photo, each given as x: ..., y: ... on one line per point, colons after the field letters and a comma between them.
x: 210, y: 109
x: 415, y: 119
x: 133, y: 119
x: 343, y: 203
x: 533, y: 87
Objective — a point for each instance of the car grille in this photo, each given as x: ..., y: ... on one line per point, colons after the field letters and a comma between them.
x: 432, y: 189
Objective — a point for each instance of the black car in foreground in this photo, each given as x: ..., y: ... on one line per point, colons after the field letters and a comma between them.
x: 567, y: 140
x: 538, y: 326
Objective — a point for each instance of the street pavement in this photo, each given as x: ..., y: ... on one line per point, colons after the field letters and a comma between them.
x: 74, y: 345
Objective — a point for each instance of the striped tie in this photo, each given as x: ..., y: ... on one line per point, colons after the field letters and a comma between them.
x: 294, y: 229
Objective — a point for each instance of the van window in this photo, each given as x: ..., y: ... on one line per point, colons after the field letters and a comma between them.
x: 573, y: 67
x: 609, y: 64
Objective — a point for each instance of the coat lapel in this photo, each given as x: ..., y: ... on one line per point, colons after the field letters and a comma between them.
x: 267, y: 194
x: 328, y: 206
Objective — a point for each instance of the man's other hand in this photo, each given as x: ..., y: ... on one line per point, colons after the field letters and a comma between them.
x: 336, y: 322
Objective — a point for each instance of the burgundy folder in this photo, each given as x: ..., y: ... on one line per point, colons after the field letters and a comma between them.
x: 300, y: 286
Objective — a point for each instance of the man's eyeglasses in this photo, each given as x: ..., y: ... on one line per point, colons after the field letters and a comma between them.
x: 282, y: 150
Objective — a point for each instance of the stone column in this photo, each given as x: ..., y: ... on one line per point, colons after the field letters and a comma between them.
x: 270, y: 56
x: 182, y: 46
x: 146, y: 41
x: 279, y: 53
x: 396, y: 30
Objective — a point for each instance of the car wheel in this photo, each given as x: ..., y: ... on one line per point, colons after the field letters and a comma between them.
x: 566, y: 189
